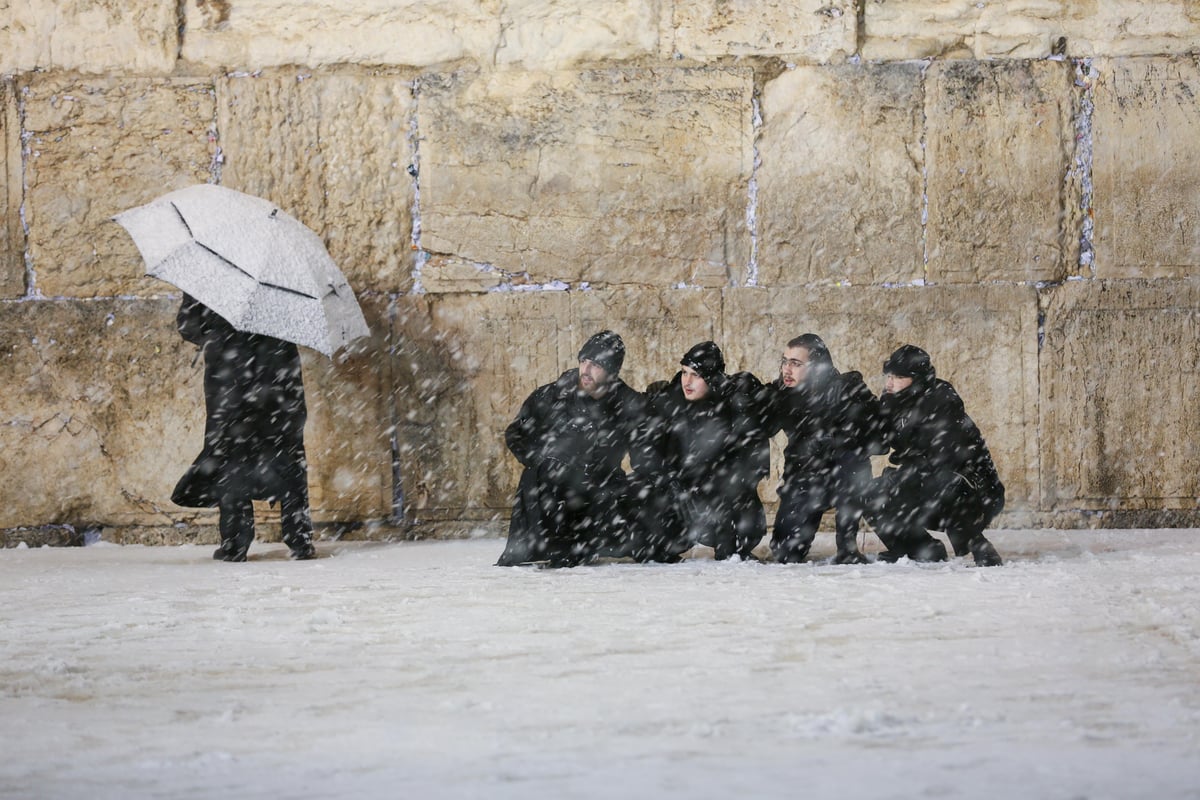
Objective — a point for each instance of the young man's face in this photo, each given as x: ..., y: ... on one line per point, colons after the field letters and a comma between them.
x: 694, y: 387
x: 793, y: 367
x: 894, y: 383
x: 593, y: 378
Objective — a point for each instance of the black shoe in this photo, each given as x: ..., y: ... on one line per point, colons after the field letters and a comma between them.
x: 890, y: 556
x: 985, y: 554
x: 930, y: 551
x: 849, y: 557
x: 303, y: 552
x: 230, y: 550
x: 791, y: 555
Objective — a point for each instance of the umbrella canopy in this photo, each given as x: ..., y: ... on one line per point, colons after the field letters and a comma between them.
x: 259, y: 268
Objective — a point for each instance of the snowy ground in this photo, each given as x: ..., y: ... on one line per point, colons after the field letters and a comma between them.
x: 419, y: 670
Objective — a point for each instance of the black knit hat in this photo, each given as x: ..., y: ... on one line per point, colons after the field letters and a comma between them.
x: 605, y: 349
x: 706, y: 359
x: 910, y: 361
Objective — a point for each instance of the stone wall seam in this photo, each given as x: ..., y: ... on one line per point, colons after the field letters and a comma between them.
x: 1085, y: 83
x: 756, y: 123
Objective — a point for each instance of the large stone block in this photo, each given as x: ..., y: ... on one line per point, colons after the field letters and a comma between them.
x: 553, y: 34
x: 1001, y: 144
x: 12, y: 234
x: 911, y: 29
x: 840, y: 186
x: 254, y: 34
x: 616, y: 176
x: 814, y: 31
x: 983, y: 339
x: 333, y: 150
x: 106, y: 410
x: 1120, y: 375
x: 1146, y: 166
x: 89, y: 36
x: 95, y: 148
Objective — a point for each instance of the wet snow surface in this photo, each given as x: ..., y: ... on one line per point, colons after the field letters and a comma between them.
x: 419, y: 670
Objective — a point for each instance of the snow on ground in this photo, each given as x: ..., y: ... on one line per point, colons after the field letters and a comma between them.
x: 419, y: 670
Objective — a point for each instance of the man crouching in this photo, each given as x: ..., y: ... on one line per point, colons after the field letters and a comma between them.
x: 571, y: 436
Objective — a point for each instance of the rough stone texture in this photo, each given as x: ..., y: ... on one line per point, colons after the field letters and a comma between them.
x: 1000, y: 145
x: 105, y: 409
x: 91, y: 36
x: 553, y: 34
x: 12, y: 235
x: 839, y: 188
x: 253, y: 34
x: 1146, y: 167
x: 983, y: 339
x: 810, y: 30
x: 610, y: 176
x: 333, y: 150
x: 913, y: 29
x: 97, y: 147
x: 1120, y: 375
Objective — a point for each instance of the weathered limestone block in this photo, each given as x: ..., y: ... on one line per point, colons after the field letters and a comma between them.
x: 552, y: 34
x: 1120, y: 422
x: 462, y: 365
x: 333, y: 150
x: 610, y: 176
x: 1000, y: 144
x: 913, y: 29
x: 840, y: 185
x: 90, y: 36
x: 97, y: 412
x: 815, y: 31
x: 97, y: 147
x: 253, y: 34
x: 12, y: 235
x: 105, y: 411
x: 349, y: 431
x: 983, y: 339
x: 1146, y: 167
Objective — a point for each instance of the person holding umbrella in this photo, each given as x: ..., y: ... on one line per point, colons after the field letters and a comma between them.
x: 253, y: 434
x: 256, y: 283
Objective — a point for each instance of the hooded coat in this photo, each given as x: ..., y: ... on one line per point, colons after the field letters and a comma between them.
x: 255, y: 415
x: 942, y: 475
x: 831, y: 421
x: 705, y: 459
x: 571, y: 493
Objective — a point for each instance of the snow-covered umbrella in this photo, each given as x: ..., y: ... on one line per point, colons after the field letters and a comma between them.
x: 242, y: 256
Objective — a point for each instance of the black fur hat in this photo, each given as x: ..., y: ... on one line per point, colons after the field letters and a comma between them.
x: 910, y: 361
x: 706, y: 359
x: 605, y: 349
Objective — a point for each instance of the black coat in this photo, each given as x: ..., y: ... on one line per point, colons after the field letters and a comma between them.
x: 942, y: 470
x: 254, y: 400
x: 704, y: 461
x: 831, y: 421
x: 572, y: 488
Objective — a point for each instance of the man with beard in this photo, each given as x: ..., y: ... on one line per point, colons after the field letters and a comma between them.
x: 943, y: 476
x: 829, y: 418
x: 571, y: 436
x: 706, y: 454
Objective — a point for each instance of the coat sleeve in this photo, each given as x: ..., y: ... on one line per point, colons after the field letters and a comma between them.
x: 526, y: 434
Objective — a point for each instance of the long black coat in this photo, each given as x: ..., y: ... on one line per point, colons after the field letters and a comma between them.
x: 708, y: 457
x: 572, y: 490
x: 831, y: 421
x: 254, y: 400
x: 943, y: 476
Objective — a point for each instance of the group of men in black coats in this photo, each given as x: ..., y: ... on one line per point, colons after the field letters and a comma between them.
x: 699, y: 445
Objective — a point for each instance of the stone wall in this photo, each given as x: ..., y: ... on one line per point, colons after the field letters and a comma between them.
x: 1010, y: 185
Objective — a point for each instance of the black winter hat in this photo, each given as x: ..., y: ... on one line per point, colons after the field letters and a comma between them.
x: 707, y: 360
x: 605, y: 349
x: 910, y: 361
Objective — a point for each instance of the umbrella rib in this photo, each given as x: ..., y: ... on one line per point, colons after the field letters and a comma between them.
x: 226, y: 260
x: 179, y: 214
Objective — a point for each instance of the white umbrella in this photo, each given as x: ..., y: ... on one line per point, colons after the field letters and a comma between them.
x: 259, y: 268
